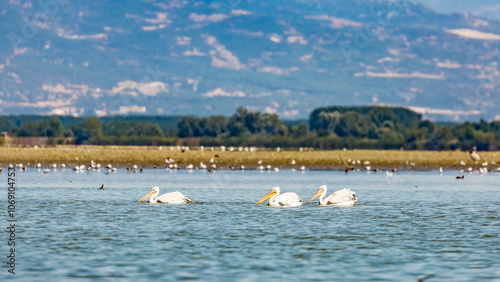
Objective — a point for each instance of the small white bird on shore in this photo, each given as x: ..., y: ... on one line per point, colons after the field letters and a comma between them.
x: 474, y: 155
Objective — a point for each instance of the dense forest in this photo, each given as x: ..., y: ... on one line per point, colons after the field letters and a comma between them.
x: 327, y: 128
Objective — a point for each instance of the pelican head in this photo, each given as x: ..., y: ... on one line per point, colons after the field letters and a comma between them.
x: 321, y: 191
x: 274, y: 191
x: 152, y: 193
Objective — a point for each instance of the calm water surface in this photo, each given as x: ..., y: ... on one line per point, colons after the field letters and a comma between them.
x: 443, y: 229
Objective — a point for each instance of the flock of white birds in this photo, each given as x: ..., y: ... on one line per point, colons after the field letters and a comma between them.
x: 344, y: 197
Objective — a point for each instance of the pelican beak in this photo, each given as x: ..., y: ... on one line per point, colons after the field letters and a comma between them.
x: 267, y: 196
x: 315, y: 195
x: 145, y: 197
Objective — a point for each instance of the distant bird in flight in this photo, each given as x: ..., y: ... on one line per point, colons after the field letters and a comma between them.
x: 102, y: 187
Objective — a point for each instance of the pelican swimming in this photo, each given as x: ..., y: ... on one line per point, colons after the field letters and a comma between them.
x: 168, y: 198
x: 344, y: 197
x: 283, y: 200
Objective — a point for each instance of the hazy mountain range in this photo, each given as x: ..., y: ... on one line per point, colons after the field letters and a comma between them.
x: 209, y: 57
x: 484, y: 8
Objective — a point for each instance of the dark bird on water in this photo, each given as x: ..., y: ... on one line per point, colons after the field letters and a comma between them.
x: 347, y: 167
x: 460, y: 177
x: 102, y: 187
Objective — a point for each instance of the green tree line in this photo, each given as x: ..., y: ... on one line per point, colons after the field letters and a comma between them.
x: 327, y: 128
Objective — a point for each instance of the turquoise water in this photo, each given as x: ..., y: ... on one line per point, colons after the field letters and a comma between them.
x: 443, y: 229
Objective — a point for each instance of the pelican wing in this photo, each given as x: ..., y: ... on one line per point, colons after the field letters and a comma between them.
x: 344, y: 196
x: 289, y: 199
x: 173, y: 198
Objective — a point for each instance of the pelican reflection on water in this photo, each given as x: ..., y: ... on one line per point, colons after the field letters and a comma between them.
x: 283, y: 200
x: 344, y: 197
x: 168, y: 198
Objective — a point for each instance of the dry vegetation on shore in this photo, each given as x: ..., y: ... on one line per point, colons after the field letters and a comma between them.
x: 123, y: 156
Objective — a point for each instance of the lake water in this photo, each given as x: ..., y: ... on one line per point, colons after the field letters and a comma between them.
x: 443, y: 229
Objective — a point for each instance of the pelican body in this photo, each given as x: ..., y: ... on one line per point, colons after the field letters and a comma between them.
x: 283, y: 200
x: 344, y: 197
x: 168, y: 198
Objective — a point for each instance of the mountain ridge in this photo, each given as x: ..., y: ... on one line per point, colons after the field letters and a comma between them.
x: 207, y: 58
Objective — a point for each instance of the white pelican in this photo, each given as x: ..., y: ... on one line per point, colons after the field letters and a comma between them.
x: 473, y: 155
x: 344, y: 197
x: 168, y: 198
x: 283, y: 200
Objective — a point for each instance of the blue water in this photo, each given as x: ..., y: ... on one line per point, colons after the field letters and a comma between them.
x: 443, y: 229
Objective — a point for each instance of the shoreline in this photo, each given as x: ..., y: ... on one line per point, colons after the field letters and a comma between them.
x: 148, y: 156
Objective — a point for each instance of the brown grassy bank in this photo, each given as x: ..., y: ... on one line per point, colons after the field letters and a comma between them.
x: 124, y: 156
